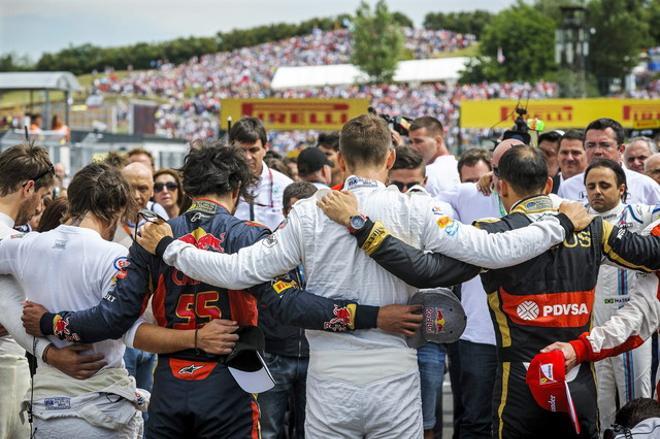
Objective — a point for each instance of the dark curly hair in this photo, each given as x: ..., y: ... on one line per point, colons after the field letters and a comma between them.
x: 100, y: 189
x: 215, y: 168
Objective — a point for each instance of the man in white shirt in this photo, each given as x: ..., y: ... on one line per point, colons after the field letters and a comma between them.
x: 26, y: 176
x: 426, y: 137
x: 604, y: 139
x: 266, y: 208
x: 365, y: 383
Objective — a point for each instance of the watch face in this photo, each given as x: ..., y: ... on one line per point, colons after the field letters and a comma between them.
x: 357, y: 222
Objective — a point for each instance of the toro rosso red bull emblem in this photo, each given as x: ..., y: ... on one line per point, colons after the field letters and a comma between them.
x: 341, y: 321
x: 203, y: 240
x: 435, y: 321
x: 61, y: 329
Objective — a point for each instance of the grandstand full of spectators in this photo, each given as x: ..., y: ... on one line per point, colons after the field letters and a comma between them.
x: 193, y: 91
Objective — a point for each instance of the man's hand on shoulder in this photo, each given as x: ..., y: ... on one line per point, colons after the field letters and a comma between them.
x: 152, y: 233
x: 400, y: 319
x: 71, y: 360
x: 577, y: 214
x: 339, y: 206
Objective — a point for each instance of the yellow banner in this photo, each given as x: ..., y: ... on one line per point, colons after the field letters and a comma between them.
x: 562, y: 113
x: 295, y: 114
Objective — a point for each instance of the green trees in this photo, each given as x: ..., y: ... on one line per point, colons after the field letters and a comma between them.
x: 525, y: 32
x: 620, y: 30
x: 524, y: 37
x: 377, y: 41
x: 472, y: 22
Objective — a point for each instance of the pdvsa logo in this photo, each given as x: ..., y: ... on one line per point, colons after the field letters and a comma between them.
x: 528, y: 310
x: 565, y: 309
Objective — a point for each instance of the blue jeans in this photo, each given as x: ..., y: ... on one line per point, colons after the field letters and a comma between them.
x: 431, y: 362
x: 478, y: 371
x: 141, y: 365
x: 290, y: 374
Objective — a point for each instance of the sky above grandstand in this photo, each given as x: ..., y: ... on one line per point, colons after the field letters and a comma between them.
x: 33, y: 27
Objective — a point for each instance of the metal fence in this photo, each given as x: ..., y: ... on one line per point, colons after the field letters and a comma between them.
x: 74, y: 155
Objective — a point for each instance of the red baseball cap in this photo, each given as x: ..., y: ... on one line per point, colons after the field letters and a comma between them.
x: 546, y: 378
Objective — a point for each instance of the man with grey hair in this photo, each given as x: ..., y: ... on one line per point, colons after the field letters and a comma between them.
x: 652, y: 167
x: 637, y: 151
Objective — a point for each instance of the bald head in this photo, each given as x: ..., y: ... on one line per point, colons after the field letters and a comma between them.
x: 498, y: 152
x: 141, y: 180
x: 652, y: 167
x: 503, y: 147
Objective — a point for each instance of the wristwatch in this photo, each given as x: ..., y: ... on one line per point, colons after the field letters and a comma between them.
x: 356, y: 223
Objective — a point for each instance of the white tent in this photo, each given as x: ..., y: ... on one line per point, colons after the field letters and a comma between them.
x: 421, y: 70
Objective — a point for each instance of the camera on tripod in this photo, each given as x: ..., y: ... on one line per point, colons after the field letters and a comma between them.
x: 400, y: 124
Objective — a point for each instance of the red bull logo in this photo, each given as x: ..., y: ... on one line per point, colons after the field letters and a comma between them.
x: 203, y: 240
x: 439, y: 320
x: 435, y: 320
x: 343, y: 318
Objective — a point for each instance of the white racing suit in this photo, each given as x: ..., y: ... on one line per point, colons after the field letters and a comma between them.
x: 627, y: 375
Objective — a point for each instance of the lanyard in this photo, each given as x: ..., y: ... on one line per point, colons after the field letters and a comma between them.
x: 271, y: 202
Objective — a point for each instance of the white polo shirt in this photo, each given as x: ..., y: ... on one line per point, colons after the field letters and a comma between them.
x: 266, y: 208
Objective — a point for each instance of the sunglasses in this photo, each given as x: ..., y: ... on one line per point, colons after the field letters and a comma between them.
x: 404, y: 187
x: 159, y: 187
x: 49, y: 170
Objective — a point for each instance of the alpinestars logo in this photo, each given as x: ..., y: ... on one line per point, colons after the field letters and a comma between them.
x: 528, y: 310
x: 189, y: 369
x: 553, y: 403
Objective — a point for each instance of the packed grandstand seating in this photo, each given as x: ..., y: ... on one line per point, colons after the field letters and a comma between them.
x: 193, y: 91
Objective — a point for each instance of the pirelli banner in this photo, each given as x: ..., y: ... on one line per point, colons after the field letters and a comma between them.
x: 564, y: 113
x: 295, y: 114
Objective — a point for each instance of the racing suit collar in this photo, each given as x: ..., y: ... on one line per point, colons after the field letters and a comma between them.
x: 533, y: 204
x: 7, y: 220
x: 612, y: 213
x: 207, y: 206
x: 355, y: 182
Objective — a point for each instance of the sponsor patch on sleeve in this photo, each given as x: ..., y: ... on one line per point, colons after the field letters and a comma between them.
x: 62, y: 331
x: 282, y: 285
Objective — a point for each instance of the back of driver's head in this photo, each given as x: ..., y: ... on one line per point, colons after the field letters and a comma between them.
x: 524, y: 169
x: 218, y: 169
x: 365, y: 141
x: 100, y: 189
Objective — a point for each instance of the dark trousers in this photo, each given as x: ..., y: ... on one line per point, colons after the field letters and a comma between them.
x: 290, y: 374
x: 477, y: 378
x: 201, y: 400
